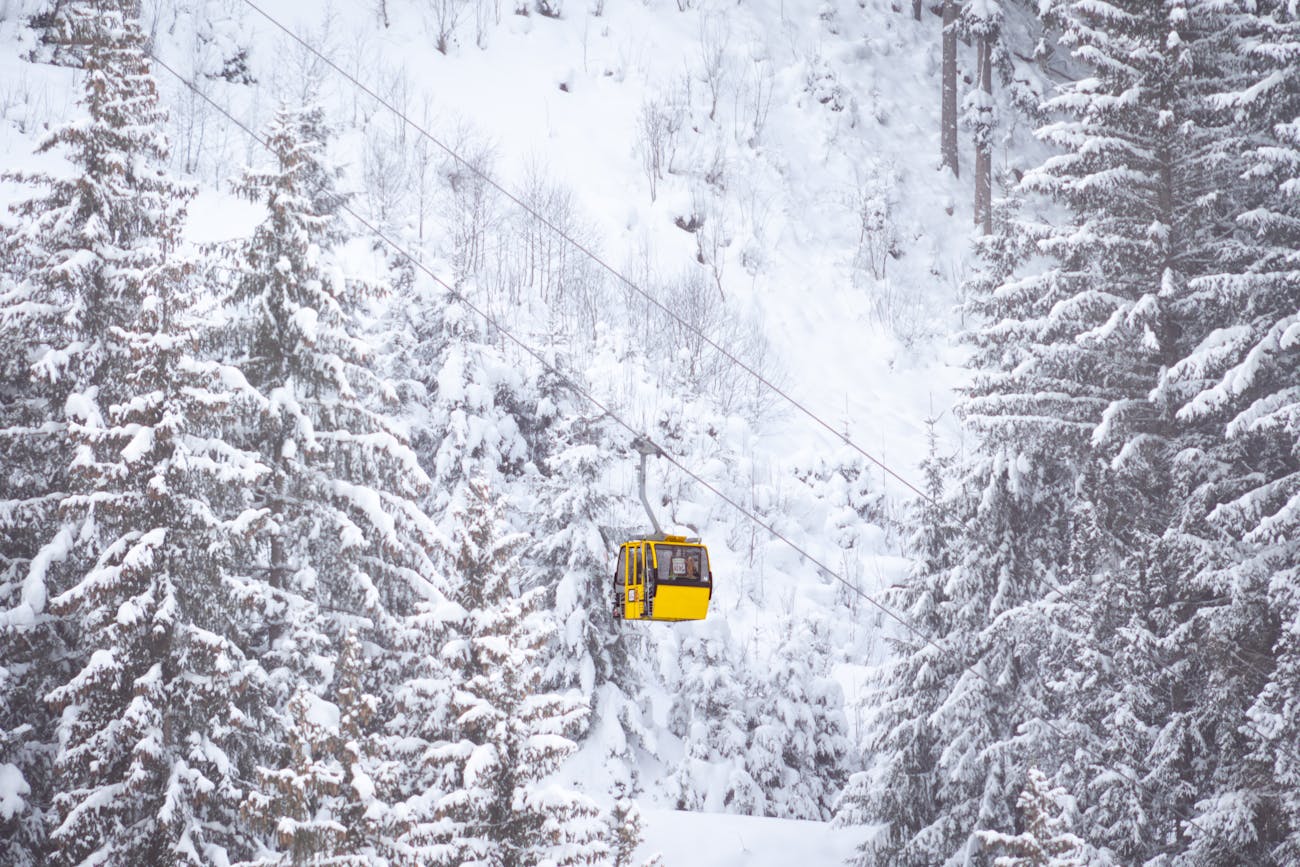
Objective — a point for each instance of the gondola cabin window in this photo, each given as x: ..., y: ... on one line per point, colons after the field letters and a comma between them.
x: 681, y: 564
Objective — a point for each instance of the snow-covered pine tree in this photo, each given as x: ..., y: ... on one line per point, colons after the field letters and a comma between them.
x: 344, y: 532
x: 420, y: 744
x: 467, y: 407
x: 897, y: 791
x: 33, y: 481
x: 1148, y: 178
x: 713, y: 712
x: 44, y: 358
x: 33, y: 651
x: 949, y: 731
x: 511, y: 732
x: 1074, y: 340
x: 149, y: 737
x: 570, y: 559
x: 1046, y: 840
x: 799, y: 749
x: 321, y: 807
x: 157, y: 727
x: 625, y: 828
x: 472, y: 403
x: 1237, y: 383
x: 340, y: 542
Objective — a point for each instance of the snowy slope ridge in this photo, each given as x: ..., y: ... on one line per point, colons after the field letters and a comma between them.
x: 767, y: 170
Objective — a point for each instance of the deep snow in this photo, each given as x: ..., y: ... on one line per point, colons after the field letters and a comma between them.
x: 722, y: 840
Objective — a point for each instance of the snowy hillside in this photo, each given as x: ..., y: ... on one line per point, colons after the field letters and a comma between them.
x: 965, y: 334
x: 775, y: 185
x: 826, y: 233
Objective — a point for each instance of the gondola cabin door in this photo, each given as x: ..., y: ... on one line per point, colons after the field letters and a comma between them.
x: 631, y: 577
x: 664, y: 579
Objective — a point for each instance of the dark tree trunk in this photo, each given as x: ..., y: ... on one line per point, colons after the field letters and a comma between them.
x: 984, y: 141
x: 948, y: 139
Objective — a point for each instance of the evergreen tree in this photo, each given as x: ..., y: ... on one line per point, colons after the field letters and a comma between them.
x: 50, y: 348
x: 150, y: 734
x: 713, y: 712
x: 512, y: 733
x: 798, y: 750
x: 571, y: 555
x: 1236, y: 383
x: 946, y: 735
x: 588, y: 651
x: 472, y: 402
x: 1087, y: 483
x: 419, y: 738
x: 897, y: 789
x: 1046, y: 840
x: 1152, y: 691
x: 338, y: 540
x: 343, y: 526
x: 321, y: 808
x: 625, y: 828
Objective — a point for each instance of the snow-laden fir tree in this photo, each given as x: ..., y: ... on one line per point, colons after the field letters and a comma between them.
x: 62, y: 239
x: 343, y: 531
x: 713, y: 712
x: 625, y: 828
x: 339, y: 540
x: 1237, y: 382
x: 158, y: 728
x: 1153, y: 186
x: 1074, y: 487
x: 151, y: 732
x: 897, y: 791
x: 571, y: 559
x: 471, y: 403
x: 322, y: 806
x: 799, y: 749
x: 511, y: 733
x: 1046, y: 839
x: 970, y: 675
x: 419, y: 739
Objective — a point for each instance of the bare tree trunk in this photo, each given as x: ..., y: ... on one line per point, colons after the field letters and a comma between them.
x: 916, y: 9
x: 948, y: 137
x: 984, y: 140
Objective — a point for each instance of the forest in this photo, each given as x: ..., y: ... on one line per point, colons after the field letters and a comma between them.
x: 968, y: 333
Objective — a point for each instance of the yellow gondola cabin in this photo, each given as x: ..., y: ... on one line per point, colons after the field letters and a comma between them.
x: 666, y: 578
x: 659, y: 576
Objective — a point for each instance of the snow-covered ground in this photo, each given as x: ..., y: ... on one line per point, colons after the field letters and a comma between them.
x: 723, y: 840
